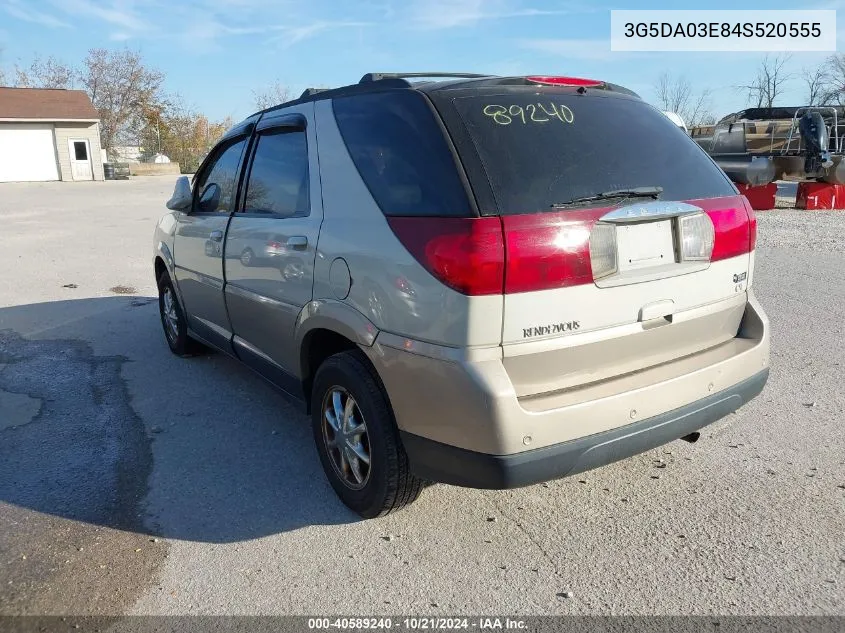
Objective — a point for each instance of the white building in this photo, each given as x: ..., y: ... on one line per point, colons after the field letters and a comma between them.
x: 48, y: 135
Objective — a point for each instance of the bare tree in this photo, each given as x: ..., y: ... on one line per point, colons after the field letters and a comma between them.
x: 121, y: 87
x: 675, y: 94
x: 45, y: 73
x: 770, y: 81
x: 817, y: 83
x: 273, y: 95
x: 834, y: 92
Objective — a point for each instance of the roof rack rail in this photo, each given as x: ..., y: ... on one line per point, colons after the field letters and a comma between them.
x: 378, y: 76
x: 310, y: 92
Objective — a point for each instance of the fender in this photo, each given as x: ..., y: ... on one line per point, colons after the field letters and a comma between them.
x: 163, y: 251
x: 336, y: 316
x: 162, y: 247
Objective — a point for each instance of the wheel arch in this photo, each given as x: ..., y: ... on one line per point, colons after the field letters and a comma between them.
x: 325, y: 328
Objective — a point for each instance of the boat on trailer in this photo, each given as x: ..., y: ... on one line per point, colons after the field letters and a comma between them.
x: 756, y: 146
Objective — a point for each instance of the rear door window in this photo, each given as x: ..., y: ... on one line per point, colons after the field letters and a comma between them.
x: 401, y: 153
x: 541, y: 149
x: 278, y: 178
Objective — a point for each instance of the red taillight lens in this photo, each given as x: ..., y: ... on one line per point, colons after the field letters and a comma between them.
x: 274, y: 244
x: 752, y: 226
x: 548, y: 250
x: 734, y: 232
x: 466, y: 254
x: 564, y: 81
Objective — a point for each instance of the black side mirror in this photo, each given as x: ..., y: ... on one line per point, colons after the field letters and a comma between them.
x: 210, y: 198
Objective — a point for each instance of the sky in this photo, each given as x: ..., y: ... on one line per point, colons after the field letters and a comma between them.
x: 216, y: 53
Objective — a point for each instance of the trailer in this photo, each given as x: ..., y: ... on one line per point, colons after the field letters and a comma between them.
x: 756, y: 146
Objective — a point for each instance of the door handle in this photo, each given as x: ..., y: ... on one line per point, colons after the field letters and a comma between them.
x: 216, y: 236
x: 297, y: 242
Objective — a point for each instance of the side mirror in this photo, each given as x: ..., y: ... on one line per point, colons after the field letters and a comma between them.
x: 181, y: 198
x: 210, y: 198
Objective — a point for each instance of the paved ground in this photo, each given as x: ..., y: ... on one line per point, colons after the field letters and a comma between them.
x: 135, y: 482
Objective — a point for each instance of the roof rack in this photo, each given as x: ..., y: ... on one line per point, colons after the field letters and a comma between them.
x: 379, y: 76
x: 310, y: 92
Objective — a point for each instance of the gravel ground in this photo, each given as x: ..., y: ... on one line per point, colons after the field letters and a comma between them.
x: 819, y: 231
x: 132, y: 481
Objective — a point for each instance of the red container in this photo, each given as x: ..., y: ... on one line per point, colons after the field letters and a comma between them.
x: 761, y: 198
x: 814, y: 196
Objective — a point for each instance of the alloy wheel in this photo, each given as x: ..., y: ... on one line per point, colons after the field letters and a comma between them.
x: 345, y: 437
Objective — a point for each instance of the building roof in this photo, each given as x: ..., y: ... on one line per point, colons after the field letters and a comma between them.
x: 48, y: 104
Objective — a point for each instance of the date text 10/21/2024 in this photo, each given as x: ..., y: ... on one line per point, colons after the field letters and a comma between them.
x: 418, y: 623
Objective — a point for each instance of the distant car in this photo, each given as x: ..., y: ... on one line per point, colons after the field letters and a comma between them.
x: 477, y: 280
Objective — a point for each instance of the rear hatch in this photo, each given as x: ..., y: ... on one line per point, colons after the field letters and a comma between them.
x: 625, y: 246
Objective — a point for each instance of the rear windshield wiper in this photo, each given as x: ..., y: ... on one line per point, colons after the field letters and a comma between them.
x: 634, y: 192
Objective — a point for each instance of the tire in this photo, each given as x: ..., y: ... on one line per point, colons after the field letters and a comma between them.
x: 247, y: 258
x: 176, y: 336
x: 389, y: 484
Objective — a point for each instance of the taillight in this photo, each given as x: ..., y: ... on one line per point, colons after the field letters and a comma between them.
x: 548, y: 250
x: 735, y: 232
x: 603, y: 250
x: 752, y: 227
x: 697, y: 236
x: 276, y: 245
x: 543, y: 251
x: 466, y: 254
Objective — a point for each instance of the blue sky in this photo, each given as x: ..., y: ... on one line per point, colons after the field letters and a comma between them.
x: 216, y: 52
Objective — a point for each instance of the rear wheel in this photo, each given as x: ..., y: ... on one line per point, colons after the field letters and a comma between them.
x: 173, y: 321
x: 357, y: 439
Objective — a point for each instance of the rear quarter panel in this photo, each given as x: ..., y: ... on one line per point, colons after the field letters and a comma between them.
x: 388, y: 287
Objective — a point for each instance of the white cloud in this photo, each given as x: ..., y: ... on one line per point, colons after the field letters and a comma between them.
x: 17, y: 10
x: 115, y: 13
x: 200, y: 25
x: 445, y: 14
x: 584, y: 49
x: 295, y: 34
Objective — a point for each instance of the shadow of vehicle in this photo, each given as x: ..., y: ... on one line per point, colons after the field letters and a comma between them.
x: 131, y: 437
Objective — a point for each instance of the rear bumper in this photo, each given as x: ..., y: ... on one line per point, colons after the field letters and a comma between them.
x: 463, y: 421
x: 461, y: 467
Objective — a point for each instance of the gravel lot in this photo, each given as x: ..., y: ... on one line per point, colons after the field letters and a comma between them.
x: 132, y: 481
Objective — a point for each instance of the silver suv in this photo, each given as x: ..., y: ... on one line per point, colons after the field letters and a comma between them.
x: 482, y: 281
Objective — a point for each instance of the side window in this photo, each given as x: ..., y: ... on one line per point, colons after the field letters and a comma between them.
x: 401, y: 153
x: 278, y: 179
x: 215, y: 188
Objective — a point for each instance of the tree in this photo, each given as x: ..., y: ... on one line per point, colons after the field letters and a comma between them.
x: 770, y: 81
x: 46, y: 73
x: 121, y: 87
x: 817, y: 84
x: 675, y: 94
x: 273, y: 95
x: 834, y: 92
x: 179, y: 132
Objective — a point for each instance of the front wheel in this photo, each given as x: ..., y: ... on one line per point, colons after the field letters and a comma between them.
x: 357, y: 438
x: 173, y: 320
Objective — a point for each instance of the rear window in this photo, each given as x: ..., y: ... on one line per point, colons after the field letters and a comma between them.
x: 401, y: 154
x: 542, y: 149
